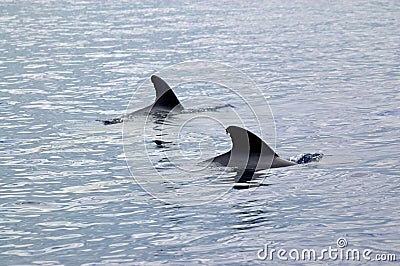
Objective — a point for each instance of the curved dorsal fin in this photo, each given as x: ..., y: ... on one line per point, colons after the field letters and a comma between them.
x: 160, y: 85
x: 259, y: 155
x: 249, y: 152
x: 246, y: 142
x: 165, y: 97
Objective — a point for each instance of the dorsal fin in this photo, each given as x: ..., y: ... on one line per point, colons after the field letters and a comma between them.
x: 160, y: 85
x: 165, y: 97
x: 249, y: 152
x: 246, y: 142
x: 259, y: 155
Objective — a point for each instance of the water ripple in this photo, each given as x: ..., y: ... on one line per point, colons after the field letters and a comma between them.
x: 331, y: 76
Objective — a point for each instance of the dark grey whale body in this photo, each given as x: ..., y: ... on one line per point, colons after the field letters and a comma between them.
x: 165, y: 102
x: 250, y: 153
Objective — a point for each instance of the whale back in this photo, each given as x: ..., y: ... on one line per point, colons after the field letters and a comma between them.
x: 249, y: 152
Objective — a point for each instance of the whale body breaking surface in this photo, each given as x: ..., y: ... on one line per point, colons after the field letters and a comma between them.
x: 249, y: 153
x: 166, y: 101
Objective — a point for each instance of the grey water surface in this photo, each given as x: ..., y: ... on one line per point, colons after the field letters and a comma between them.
x: 329, y: 69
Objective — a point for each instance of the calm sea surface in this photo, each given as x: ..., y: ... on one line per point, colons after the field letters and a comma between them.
x: 330, y: 72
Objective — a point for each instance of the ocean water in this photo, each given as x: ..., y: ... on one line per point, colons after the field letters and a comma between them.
x: 71, y: 190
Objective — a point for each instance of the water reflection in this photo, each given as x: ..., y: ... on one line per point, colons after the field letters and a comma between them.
x: 66, y: 193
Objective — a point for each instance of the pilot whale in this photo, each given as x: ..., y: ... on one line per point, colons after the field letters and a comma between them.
x: 165, y: 102
x: 251, y: 153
